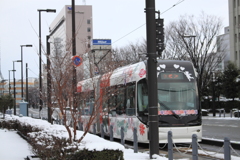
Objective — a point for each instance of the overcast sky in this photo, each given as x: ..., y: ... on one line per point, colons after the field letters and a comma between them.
x: 112, y: 19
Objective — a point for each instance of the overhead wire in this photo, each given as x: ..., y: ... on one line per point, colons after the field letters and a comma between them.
x: 180, y: 1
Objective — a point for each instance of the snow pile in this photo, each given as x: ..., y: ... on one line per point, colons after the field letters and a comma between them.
x: 90, y: 142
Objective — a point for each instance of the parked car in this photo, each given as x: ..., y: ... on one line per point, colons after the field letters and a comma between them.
x: 236, y: 113
x: 204, y: 112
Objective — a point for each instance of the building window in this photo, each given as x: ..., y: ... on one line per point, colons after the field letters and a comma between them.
x: 235, y: 55
x: 89, y: 29
x: 89, y: 37
x: 88, y: 21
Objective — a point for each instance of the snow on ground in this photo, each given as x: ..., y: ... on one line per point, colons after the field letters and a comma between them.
x: 12, y: 146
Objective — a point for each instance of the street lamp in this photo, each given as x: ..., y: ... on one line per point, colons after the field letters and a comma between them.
x: 27, y: 45
x: 213, y: 94
x: 40, y: 54
x: 14, y: 85
x: 9, y: 88
x: 27, y: 86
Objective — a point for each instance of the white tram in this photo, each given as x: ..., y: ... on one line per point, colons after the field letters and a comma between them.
x: 123, y: 101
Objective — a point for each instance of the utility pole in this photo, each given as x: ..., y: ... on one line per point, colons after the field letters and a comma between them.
x: 49, y: 82
x: 74, y: 80
x: 152, y: 78
x: 27, y: 87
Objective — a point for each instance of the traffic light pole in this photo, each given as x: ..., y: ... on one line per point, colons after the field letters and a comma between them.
x: 152, y: 78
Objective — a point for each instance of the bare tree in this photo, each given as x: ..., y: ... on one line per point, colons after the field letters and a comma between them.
x: 62, y: 90
x: 195, y: 39
x: 131, y: 53
x: 33, y: 96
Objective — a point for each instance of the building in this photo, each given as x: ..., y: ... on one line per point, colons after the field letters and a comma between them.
x: 223, y: 47
x: 61, y: 30
x: 234, y: 31
x: 61, y: 27
x: 61, y: 33
x: 4, y: 88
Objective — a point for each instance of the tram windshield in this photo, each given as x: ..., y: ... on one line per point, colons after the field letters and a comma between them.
x: 177, y: 95
x: 173, y: 97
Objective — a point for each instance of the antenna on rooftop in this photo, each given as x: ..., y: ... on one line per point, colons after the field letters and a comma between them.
x: 84, y: 2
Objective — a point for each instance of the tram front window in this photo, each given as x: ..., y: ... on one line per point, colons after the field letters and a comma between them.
x: 177, y: 96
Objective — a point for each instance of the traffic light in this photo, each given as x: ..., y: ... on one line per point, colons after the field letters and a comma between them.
x: 159, y: 36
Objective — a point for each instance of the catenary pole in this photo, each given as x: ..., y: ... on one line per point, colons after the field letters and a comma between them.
x: 49, y: 87
x: 152, y: 77
x: 74, y: 80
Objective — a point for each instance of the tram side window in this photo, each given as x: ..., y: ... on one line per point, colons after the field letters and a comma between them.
x: 111, y: 99
x: 82, y: 101
x: 105, y: 99
x: 142, y: 95
x: 88, y: 103
x: 120, y: 100
x: 130, y: 100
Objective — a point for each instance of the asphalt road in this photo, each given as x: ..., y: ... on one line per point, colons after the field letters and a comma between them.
x: 220, y: 127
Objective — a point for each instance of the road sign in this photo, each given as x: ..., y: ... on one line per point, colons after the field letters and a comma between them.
x: 77, y: 61
x: 101, y: 42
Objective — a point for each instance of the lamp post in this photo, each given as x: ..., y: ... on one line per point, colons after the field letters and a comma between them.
x: 213, y: 94
x: 40, y: 54
x: 27, y: 45
x: 14, y: 85
x: 9, y: 85
x: 9, y: 88
x: 27, y: 86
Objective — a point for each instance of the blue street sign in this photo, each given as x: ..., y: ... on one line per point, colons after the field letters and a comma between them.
x: 101, y: 42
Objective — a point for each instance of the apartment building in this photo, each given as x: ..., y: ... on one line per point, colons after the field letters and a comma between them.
x: 234, y: 31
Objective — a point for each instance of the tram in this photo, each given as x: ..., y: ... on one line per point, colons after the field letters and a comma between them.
x: 123, y: 101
